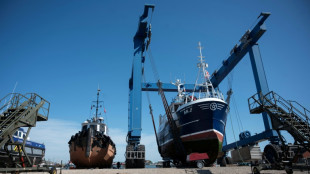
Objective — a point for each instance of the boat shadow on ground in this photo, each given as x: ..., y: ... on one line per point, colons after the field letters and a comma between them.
x: 203, y: 171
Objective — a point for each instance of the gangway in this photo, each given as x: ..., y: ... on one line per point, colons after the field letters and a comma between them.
x: 21, y: 111
x: 284, y: 115
x: 16, y: 111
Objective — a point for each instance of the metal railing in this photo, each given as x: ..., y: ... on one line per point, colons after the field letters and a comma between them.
x: 275, y: 100
x: 285, y: 110
x: 14, y: 100
x: 36, y: 99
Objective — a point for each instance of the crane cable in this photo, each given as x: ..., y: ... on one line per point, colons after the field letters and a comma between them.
x: 175, y: 134
x: 232, y: 127
x: 240, y: 125
x: 156, y: 76
x: 238, y: 118
x: 153, y: 66
x: 148, y: 49
x: 151, y: 113
x: 230, y: 80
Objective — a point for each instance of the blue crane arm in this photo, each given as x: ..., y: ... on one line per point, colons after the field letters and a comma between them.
x: 236, y: 54
x: 141, y: 34
x: 146, y: 11
x: 167, y: 87
x: 239, y: 50
x: 135, y: 96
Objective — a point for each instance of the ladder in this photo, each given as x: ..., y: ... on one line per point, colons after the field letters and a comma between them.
x: 16, y: 111
x: 285, y: 115
x: 180, y: 150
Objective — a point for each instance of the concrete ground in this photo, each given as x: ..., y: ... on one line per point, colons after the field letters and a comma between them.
x: 205, y: 170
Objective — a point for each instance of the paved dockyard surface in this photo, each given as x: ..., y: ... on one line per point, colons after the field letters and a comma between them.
x: 205, y: 170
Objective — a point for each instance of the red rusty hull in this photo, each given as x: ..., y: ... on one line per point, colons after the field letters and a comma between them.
x: 98, y: 157
x: 91, y: 149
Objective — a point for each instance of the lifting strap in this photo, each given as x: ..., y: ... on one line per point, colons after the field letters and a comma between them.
x: 151, y: 113
x: 173, y: 127
x: 181, y: 153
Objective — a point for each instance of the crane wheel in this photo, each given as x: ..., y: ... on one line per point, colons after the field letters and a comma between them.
x: 272, y: 154
x: 129, y: 163
x: 53, y: 171
x: 228, y: 160
x: 288, y: 170
x: 223, y: 162
x: 255, y: 170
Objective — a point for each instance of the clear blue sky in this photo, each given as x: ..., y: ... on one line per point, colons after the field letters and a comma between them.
x: 63, y: 49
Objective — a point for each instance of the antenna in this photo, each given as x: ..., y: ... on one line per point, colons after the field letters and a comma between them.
x: 11, y: 94
x: 15, y: 87
x: 97, y: 102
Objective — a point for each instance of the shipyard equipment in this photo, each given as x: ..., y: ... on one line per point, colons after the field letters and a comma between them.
x: 247, y: 44
x: 16, y: 111
x: 135, y: 152
x: 278, y: 113
x: 291, y: 117
x: 275, y: 118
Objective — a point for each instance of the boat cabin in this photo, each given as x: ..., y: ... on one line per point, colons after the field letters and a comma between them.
x: 21, y: 134
x: 95, y: 124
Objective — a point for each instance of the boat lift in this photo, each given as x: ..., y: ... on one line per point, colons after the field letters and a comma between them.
x: 247, y: 44
x: 135, y: 152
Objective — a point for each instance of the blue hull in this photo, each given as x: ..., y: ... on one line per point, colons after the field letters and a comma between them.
x: 201, y: 125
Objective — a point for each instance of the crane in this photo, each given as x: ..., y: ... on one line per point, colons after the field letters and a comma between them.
x: 135, y: 152
x: 247, y: 44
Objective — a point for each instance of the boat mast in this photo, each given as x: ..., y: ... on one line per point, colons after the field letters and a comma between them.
x: 97, y: 103
x: 205, y: 75
x: 202, y: 64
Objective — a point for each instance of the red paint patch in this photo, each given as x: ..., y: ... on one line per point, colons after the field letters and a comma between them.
x: 197, y: 156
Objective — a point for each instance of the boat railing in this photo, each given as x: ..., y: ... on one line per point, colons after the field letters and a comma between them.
x: 210, y: 94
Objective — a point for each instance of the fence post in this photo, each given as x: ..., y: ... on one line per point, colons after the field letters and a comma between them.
x: 61, y: 167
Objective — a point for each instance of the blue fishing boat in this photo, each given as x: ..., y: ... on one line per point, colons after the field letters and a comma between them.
x: 200, y: 118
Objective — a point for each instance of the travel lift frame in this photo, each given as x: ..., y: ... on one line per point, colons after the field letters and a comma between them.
x: 135, y: 152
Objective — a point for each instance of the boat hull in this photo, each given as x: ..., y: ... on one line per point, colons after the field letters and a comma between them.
x: 90, y: 149
x: 6, y: 161
x: 35, y: 152
x: 201, y: 125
